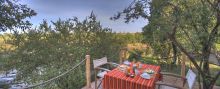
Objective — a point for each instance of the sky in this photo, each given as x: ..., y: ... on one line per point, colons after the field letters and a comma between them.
x: 52, y: 10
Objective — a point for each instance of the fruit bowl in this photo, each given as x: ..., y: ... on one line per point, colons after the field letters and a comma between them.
x: 149, y: 71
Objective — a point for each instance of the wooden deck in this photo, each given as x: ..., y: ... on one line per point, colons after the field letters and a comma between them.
x: 169, y: 80
x: 93, y: 86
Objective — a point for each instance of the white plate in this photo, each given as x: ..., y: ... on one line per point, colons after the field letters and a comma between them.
x: 145, y: 76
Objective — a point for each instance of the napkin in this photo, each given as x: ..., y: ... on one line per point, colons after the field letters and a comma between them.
x: 145, y: 76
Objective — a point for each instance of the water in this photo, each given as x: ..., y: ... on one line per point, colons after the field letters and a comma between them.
x: 8, y: 78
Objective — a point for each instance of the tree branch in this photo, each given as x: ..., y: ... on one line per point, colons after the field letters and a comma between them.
x: 215, y: 78
x: 210, y: 3
x: 212, y: 35
x: 173, y: 39
x: 191, y: 58
x: 214, y: 6
x: 189, y: 38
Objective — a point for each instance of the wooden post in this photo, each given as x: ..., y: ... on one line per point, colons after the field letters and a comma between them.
x: 88, y: 74
x: 183, y: 65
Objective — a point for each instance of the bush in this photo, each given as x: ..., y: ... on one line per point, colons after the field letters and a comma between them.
x: 46, y: 52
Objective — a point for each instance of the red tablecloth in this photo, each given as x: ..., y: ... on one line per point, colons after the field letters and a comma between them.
x: 116, y: 79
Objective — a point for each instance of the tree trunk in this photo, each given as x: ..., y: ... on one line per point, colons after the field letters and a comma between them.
x: 207, y: 83
x: 199, y: 75
x: 174, y: 53
x: 206, y: 52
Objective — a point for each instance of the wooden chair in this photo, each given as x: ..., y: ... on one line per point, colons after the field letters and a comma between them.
x: 100, y: 71
x: 179, y: 83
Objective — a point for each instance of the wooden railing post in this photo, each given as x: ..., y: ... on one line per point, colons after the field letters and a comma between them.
x: 88, y: 73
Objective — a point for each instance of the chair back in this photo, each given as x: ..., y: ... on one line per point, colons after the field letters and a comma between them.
x: 190, y: 77
x: 99, y: 62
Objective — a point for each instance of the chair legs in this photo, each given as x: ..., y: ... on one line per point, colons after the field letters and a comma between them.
x: 100, y: 83
x: 96, y: 87
x: 96, y: 81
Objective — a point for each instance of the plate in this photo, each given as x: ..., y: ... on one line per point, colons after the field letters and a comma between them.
x: 145, y: 76
x: 122, y: 68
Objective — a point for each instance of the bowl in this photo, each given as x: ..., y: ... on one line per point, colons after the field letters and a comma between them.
x: 149, y: 71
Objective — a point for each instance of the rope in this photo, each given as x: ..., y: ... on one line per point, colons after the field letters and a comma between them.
x: 52, y: 79
x: 111, y: 57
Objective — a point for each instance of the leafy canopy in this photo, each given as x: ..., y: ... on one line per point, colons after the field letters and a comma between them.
x: 48, y: 51
x: 14, y: 15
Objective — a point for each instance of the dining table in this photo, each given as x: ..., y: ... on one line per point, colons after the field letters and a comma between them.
x: 117, y: 79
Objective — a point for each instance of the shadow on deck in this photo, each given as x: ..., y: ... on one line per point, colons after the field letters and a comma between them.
x: 170, y: 80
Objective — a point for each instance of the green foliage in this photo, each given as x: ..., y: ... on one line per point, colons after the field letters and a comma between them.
x: 4, y: 86
x: 217, y: 47
x: 127, y: 38
x: 157, y: 40
x: 135, y: 55
x: 191, y: 25
x: 48, y: 51
x: 13, y: 15
x: 75, y: 80
x: 137, y: 9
